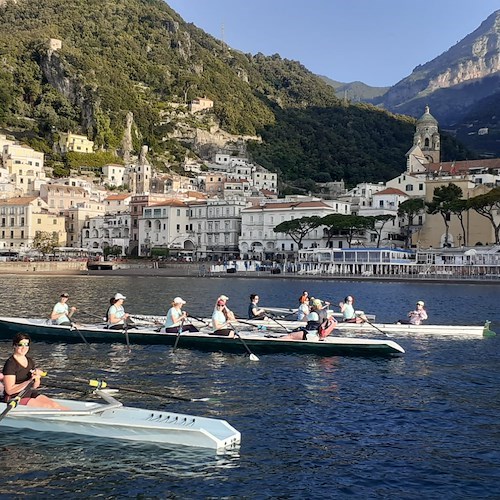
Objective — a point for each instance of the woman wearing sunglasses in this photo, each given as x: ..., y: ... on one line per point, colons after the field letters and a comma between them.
x: 19, y: 372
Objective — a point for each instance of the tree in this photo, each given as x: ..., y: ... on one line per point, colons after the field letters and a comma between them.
x: 488, y: 205
x: 458, y: 208
x: 355, y: 225
x: 443, y: 202
x: 379, y: 221
x: 408, y: 210
x: 45, y: 242
x: 297, y: 229
x: 333, y: 225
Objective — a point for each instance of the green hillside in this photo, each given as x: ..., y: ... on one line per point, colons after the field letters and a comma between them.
x: 140, y: 56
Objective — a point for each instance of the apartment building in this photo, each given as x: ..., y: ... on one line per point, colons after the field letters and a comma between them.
x: 21, y: 218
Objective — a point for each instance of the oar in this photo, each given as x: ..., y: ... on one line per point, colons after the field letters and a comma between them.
x: 74, y: 327
x: 178, y: 336
x: 201, y: 320
x: 101, y: 384
x: 376, y: 327
x: 125, y: 331
x: 15, y: 401
x: 279, y: 324
x: 253, y: 357
x: 147, y: 322
x: 91, y: 315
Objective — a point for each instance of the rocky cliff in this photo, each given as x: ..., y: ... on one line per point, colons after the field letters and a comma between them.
x: 454, y: 81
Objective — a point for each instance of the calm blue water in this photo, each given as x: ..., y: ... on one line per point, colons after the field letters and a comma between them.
x: 424, y: 425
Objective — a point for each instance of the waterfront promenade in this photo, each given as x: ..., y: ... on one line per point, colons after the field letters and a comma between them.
x: 195, y: 269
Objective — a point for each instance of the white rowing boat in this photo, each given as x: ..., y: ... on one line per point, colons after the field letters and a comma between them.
x: 287, y: 313
x: 395, y: 328
x: 113, y: 420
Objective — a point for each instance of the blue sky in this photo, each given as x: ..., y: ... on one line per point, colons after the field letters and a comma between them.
x: 378, y: 42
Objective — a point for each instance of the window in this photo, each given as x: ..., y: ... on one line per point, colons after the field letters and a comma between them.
x: 420, y: 187
x: 54, y: 222
x: 409, y: 187
x: 39, y: 221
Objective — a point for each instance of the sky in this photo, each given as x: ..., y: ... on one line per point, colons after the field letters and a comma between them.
x: 378, y: 42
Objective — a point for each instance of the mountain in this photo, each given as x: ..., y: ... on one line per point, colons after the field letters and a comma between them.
x: 355, y: 91
x: 455, y: 84
x: 85, y: 65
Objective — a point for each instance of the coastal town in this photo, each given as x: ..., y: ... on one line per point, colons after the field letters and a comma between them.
x: 224, y: 213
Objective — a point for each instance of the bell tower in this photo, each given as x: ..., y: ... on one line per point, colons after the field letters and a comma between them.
x: 427, y: 137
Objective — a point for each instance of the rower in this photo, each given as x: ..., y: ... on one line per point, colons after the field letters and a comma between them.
x: 21, y: 377
x: 61, y: 313
x: 253, y: 311
x: 118, y: 319
x: 417, y: 316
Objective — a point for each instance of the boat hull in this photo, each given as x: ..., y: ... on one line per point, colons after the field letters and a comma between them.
x: 258, y: 342
x: 283, y: 326
x: 114, y: 421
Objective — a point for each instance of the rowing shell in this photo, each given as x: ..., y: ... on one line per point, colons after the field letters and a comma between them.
x: 287, y: 312
x: 258, y: 341
x: 113, y: 420
x: 393, y: 328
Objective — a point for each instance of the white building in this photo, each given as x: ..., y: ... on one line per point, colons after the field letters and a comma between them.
x: 163, y: 225
x: 215, y: 227
x: 360, y: 196
x: 258, y: 239
x: 411, y: 185
x: 113, y: 175
x: 111, y: 230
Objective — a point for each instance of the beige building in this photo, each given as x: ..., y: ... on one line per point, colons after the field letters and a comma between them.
x: 25, y: 166
x: 200, y: 104
x: 69, y: 142
x: 117, y: 203
x: 21, y: 218
x: 478, y: 228
x: 60, y: 197
x: 77, y: 216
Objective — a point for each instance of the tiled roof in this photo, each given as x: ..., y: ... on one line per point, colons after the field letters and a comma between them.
x: 390, y: 191
x: 463, y: 166
x: 22, y: 200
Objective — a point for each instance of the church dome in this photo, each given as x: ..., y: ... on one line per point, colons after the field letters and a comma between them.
x: 427, y: 118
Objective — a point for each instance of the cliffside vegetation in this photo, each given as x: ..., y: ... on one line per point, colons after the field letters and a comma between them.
x: 140, y: 56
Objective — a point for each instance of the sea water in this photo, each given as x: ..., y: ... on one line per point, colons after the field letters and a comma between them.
x: 421, y: 425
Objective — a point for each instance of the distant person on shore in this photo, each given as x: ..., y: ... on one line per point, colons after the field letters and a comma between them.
x: 349, y: 314
x: 254, y: 312
x: 61, y: 313
x: 417, y: 316
x: 221, y: 321
x: 118, y: 319
x: 176, y: 317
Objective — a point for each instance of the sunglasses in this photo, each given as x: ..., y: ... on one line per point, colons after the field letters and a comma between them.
x: 23, y: 344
